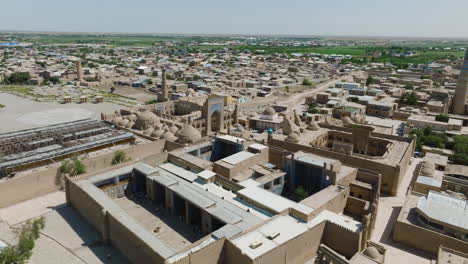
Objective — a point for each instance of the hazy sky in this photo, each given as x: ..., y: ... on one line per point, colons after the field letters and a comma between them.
x: 419, y: 18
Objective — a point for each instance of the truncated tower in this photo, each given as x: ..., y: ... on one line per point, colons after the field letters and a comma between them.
x: 459, y: 100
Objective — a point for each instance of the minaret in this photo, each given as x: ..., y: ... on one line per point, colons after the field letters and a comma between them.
x: 236, y: 114
x: 79, y: 71
x: 164, y: 86
x: 459, y: 100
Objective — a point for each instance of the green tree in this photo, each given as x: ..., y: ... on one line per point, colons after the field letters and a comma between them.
x: 17, y: 78
x: 300, y: 193
x: 21, y: 252
x: 72, y: 167
x: 370, y: 81
x: 442, y: 118
x: 306, y: 82
x: 409, y: 86
x: 460, y: 150
x: 119, y: 157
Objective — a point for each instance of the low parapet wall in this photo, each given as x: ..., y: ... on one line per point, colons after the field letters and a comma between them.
x: 42, y: 182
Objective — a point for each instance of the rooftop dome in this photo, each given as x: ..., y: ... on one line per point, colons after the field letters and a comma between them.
x: 269, y: 111
x: 312, y: 126
x: 168, y: 136
x: 347, y: 120
x: 157, y: 133
x: 129, y: 124
x: 428, y: 168
x: 146, y: 119
x: 293, y: 137
x: 173, y: 129
x: 188, y: 134
x: 117, y: 120
x: 373, y: 253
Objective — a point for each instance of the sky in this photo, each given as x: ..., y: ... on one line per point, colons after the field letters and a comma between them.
x: 406, y: 18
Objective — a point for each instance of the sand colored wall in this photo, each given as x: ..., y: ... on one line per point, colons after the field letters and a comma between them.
x: 212, y: 253
x: 112, y: 225
x: 39, y: 183
x: 425, y: 239
x: 296, y: 250
x: 129, y: 243
x: 341, y: 240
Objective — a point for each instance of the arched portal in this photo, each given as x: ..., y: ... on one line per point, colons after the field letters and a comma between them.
x: 215, y: 121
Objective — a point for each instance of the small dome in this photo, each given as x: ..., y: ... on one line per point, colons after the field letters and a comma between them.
x: 312, y: 126
x: 168, y: 136
x: 346, y: 120
x: 188, y: 134
x: 293, y: 137
x: 123, y: 122
x: 269, y: 111
x: 173, y: 129
x: 157, y: 133
x: 148, y: 131
x: 373, y: 253
x: 129, y: 124
x: 146, y: 119
x: 117, y: 120
x: 428, y: 168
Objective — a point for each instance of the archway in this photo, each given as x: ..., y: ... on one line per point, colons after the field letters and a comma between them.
x: 215, y: 121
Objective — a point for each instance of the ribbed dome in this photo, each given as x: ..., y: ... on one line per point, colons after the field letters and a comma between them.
x: 188, y: 134
x: 129, y: 124
x: 157, y: 133
x: 347, y: 120
x: 428, y: 168
x: 148, y: 131
x: 269, y: 111
x: 168, y: 136
x: 146, y: 119
x: 373, y: 253
x: 117, y: 120
x: 312, y: 126
x: 293, y: 137
x: 173, y: 129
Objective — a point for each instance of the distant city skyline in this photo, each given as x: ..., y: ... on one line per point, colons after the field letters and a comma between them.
x: 417, y: 18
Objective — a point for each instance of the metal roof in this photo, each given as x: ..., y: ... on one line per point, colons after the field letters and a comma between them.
x: 444, y: 208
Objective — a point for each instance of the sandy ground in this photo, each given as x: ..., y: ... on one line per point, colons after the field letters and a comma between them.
x: 66, y: 238
x: 389, y: 208
x: 21, y: 113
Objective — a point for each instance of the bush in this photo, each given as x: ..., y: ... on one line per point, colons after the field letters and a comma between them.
x: 409, y: 98
x: 119, y: 157
x: 354, y: 99
x: 460, y: 149
x: 20, y: 253
x: 442, y: 118
x: 72, y: 167
x: 306, y: 82
x: 300, y: 193
x: 17, y: 78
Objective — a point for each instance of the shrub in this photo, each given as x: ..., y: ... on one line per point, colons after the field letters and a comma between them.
x: 306, y: 82
x: 72, y: 167
x: 119, y: 157
x: 20, y: 253
x: 300, y: 193
x: 442, y: 118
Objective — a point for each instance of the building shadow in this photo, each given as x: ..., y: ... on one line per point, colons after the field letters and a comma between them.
x: 387, y: 236
x: 89, y: 235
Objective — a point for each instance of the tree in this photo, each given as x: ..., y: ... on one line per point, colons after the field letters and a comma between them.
x: 354, y: 99
x: 72, y: 167
x: 370, y: 81
x: 18, y: 78
x: 54, y: 79
x: 287, y: 89
x: 442, y: 118
x: 21, y: 252
x: 460, y: 149
x: 112, y: 90
x: 119, y: 157
x: 306, y: 82
x: 409, y: 98
x: 300, y: 193
x: 409, y: 86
